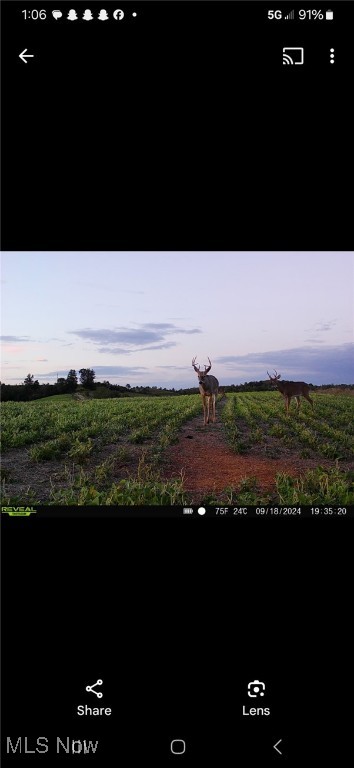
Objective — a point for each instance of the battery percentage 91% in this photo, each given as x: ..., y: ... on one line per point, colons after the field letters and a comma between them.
x: 313, y: 14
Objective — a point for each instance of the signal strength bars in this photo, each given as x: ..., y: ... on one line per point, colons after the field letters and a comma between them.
x: 290, y: 15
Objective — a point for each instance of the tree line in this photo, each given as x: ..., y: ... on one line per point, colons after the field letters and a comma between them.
x: 85, y: 384
x: 31, y: 389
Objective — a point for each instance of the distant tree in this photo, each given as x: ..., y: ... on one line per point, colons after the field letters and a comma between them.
x: 29, y: 380
x: 87, y: 378
x: 31, y: 387
x: 127, y: 386
x: 60, y: 386
x: 71, y: 381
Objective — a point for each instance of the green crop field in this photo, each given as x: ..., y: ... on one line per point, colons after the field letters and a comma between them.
x: 48, y: 426
x: 75, y: 434
x: 328, y: 430
x: 61, y: 451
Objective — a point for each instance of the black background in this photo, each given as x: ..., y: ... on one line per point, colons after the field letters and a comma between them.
x: 176, y: 622
x: 178, y: 129
x: 188, y: 134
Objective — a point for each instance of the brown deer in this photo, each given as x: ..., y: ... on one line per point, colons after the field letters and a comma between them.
x: 208, y: 388
x: 291, y: 389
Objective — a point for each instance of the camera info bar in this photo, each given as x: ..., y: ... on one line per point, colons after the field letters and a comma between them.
x: 231, y: 511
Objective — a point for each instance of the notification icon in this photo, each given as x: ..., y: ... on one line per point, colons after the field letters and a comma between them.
x: 57, y: 15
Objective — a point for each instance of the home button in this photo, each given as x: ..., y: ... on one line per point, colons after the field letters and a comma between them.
x: 178, y: 746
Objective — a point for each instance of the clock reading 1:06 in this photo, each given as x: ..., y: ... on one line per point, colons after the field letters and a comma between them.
x: 34, y: 15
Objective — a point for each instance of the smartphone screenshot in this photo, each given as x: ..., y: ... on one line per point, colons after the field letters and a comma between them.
x: 177, y: 383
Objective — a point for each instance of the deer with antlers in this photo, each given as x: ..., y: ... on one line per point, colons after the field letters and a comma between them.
x: 208, y: 388
x: 291, y: 389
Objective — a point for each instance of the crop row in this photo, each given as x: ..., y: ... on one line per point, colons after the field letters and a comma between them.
x: 250, y: 418
x: 67, y: 422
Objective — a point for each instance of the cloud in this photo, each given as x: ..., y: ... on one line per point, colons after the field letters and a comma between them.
x: 170, y: 328
x: 119, y: 370
x: 324, y: 365
x: 145, y: 337
x: 114, y: 350
x: 10, y: 339
x: 16, y: 339
x: 173, y: 367
x: 164, y: 345
x: 125, y: 335
x: 123, y: 351
x: 322, y: 326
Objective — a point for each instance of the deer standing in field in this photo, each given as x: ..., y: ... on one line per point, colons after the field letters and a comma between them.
x: 208, y: 388
x: 291, y: 389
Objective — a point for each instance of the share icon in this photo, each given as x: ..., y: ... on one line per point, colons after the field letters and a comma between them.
x: 91, y: 689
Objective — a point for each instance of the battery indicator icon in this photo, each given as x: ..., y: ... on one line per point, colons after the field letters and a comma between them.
x: 329, y: 15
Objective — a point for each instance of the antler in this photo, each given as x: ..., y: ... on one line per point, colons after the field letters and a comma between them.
x: 272, y: 377
x: 206, y: 367
x: 193, y: 364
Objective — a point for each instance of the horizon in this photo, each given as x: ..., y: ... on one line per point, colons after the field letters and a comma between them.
x: 140, y: 318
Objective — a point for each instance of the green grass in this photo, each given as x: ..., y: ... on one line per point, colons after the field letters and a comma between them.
x: 326, y: 486
x: 147, y: 488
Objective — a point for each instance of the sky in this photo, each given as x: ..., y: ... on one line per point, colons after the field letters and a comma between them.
x: 140, y: 318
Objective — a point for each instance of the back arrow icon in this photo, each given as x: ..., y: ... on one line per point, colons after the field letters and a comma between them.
x: 275, y: 746
x: 24, y: 56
